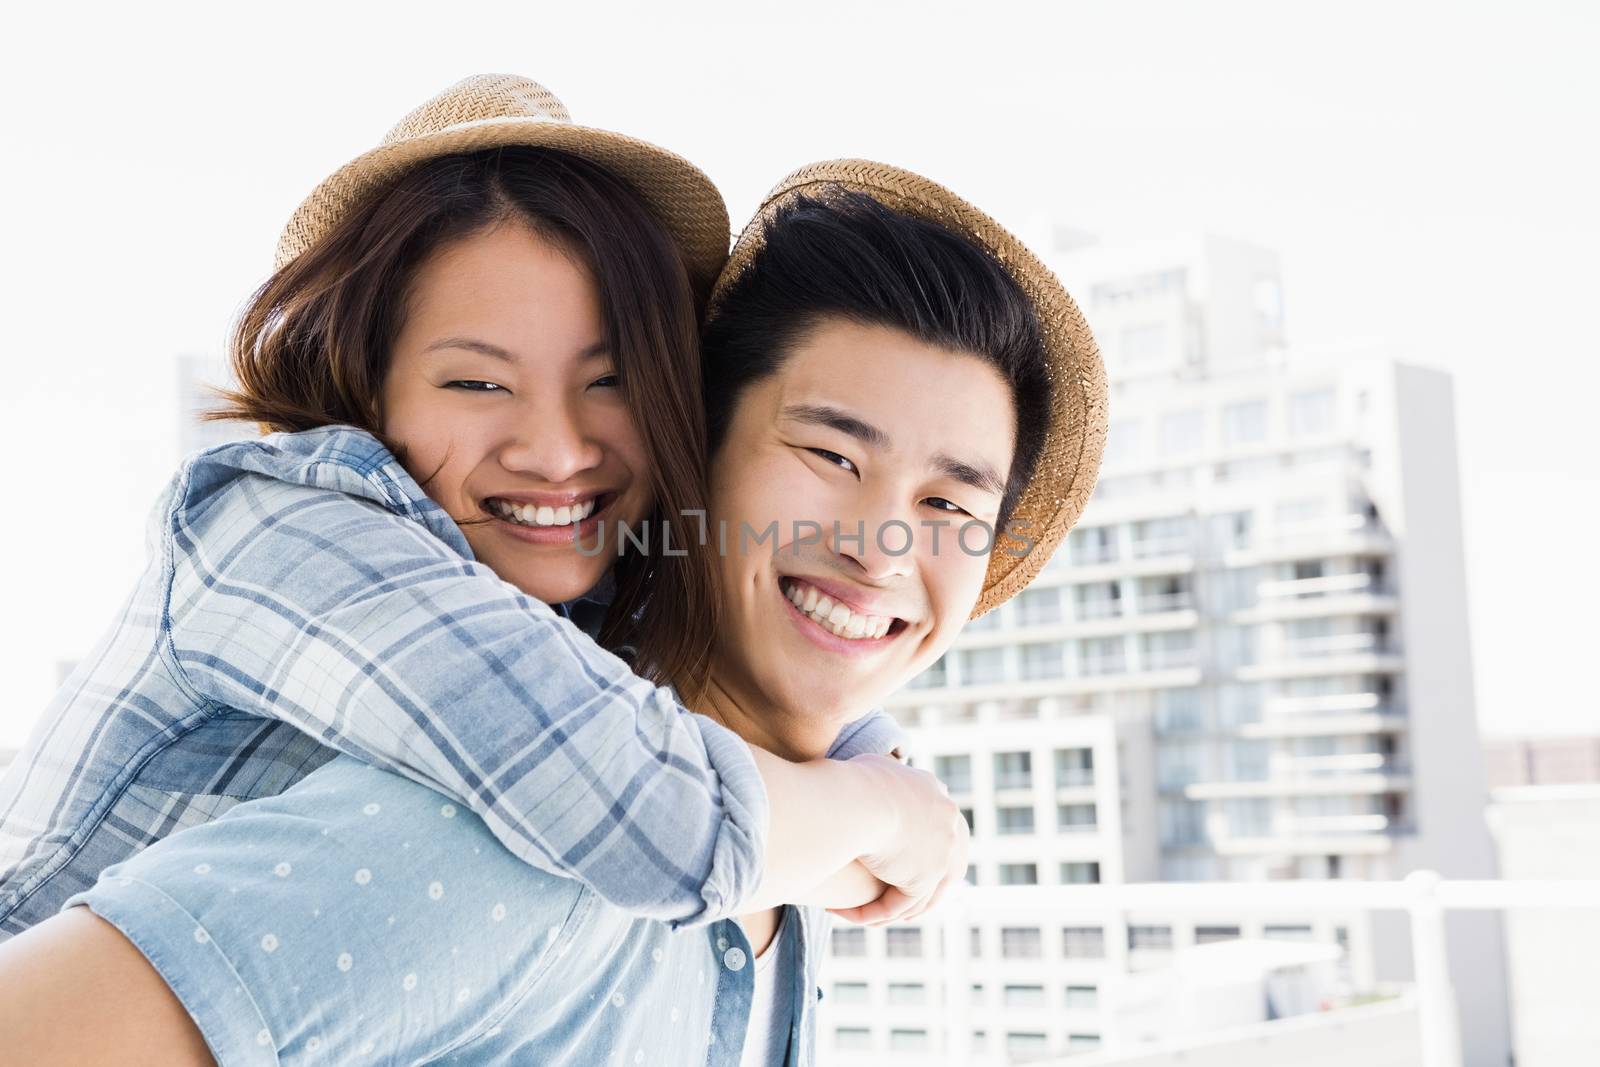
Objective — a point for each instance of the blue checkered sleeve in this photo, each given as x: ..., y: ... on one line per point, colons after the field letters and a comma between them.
x: 311, y: 605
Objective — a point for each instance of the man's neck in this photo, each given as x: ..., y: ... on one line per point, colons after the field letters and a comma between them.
x: 724, y: 703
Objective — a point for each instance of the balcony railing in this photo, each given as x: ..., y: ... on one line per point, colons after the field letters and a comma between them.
x: 1156, y: 547
x: 1419, y: 1024
x: 1165, y: 602
x: 1323, y: 586
x: 1092, y: 610
x: 1333, y: 645
x: 1088, y: 554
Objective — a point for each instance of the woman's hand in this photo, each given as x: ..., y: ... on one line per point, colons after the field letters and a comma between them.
x: 923, y: 850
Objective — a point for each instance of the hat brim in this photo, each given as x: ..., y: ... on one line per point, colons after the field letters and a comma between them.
x: 1069, y: 463
x: 676, y: 191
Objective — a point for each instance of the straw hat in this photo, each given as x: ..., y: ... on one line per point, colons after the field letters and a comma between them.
x: 1070, y: 459
x: 495, y: 110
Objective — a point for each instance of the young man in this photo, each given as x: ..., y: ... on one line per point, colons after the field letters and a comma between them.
x: 890, y: 378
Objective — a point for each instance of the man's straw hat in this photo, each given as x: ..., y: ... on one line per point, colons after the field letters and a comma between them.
x: 495, y: 110
x: 1070, y: 460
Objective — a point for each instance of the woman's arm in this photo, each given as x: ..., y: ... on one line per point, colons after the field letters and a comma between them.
x: 360, y: 627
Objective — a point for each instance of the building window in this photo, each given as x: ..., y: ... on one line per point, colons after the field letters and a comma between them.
x: 975, y: 945
x: 1182, y: 433
x: 850, y: 992
x: 850, y: 941
x: 903, y: 942
x: 1021, y: 943
x: 980, y: 1041
x: 1181, y: 822
x: 1154, y: 538
x: 1287, y: 933
x: 908, y: 1040
x: 1080, y: 873
x: 1312, y: 413
x: 1205, y: 935
x: 1076, y: 818
x: 1083, y: 942
x: 1039, y: 607
x: 1145, y: 343
x: 1082, y: 998
x: 1122, y: 442
x: 1156, y: 938
x: 1024, y: 996
x: 1014, y: 770
x: 852, y: 1037
x: 955, y: 772
x: 1082, y: 1042
x: 1244, y: 423
x: 1026, y: 1045
x: 1040, y: 662
x: 1074, y: 767
x: 1018, y: 820
x: 983, y: 666
x: 1092, y: 544
x: 907, y: 993
x: 1019, y: 874
x: 1102, y: 655
x: 1098, y: 600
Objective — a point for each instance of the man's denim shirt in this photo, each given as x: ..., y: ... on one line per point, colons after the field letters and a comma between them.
x: 360, y: 918
x: 305, y: 597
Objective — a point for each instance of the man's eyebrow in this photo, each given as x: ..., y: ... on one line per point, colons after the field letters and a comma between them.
x: 837, y: 419
x: 472, y: 344
x: 980, y: 475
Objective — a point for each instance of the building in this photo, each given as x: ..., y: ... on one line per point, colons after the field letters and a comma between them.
x: 1542, y: 761
x: 1249, y: 661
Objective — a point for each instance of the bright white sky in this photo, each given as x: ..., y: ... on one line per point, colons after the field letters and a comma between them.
x: 1428, y: 172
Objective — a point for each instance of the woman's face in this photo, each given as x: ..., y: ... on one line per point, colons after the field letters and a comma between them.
x: 505, y: 400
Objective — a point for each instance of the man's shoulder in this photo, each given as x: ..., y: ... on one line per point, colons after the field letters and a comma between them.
x: 875, y: 733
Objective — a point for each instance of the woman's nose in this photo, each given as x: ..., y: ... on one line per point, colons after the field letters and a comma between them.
x: 548, y: 441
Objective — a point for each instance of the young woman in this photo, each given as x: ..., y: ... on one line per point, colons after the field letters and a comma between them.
x: 478, y: 347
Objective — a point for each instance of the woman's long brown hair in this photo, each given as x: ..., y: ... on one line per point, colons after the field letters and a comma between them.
x: 313, y: 345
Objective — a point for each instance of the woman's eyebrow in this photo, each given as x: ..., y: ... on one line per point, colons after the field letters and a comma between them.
x: 471, y: 344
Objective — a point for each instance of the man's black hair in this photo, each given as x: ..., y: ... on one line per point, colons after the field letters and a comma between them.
x: 847, y: 256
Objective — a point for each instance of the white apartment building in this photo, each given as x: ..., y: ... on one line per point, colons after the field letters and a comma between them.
x: 1249, y: 661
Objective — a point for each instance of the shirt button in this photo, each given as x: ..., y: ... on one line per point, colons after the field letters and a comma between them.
x: 734, y: 958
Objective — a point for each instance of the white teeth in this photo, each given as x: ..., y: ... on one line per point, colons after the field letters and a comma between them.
x: 535, y: 515
x: 834, y: 617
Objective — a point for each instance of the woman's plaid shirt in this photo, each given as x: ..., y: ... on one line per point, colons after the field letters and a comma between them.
x: 305, y: 596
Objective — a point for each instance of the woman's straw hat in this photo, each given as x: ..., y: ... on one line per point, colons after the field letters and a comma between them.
x: 1070, y: 460
x: 495, y: 110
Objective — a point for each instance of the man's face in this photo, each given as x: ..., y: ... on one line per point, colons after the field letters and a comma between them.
x: 904, y: 442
